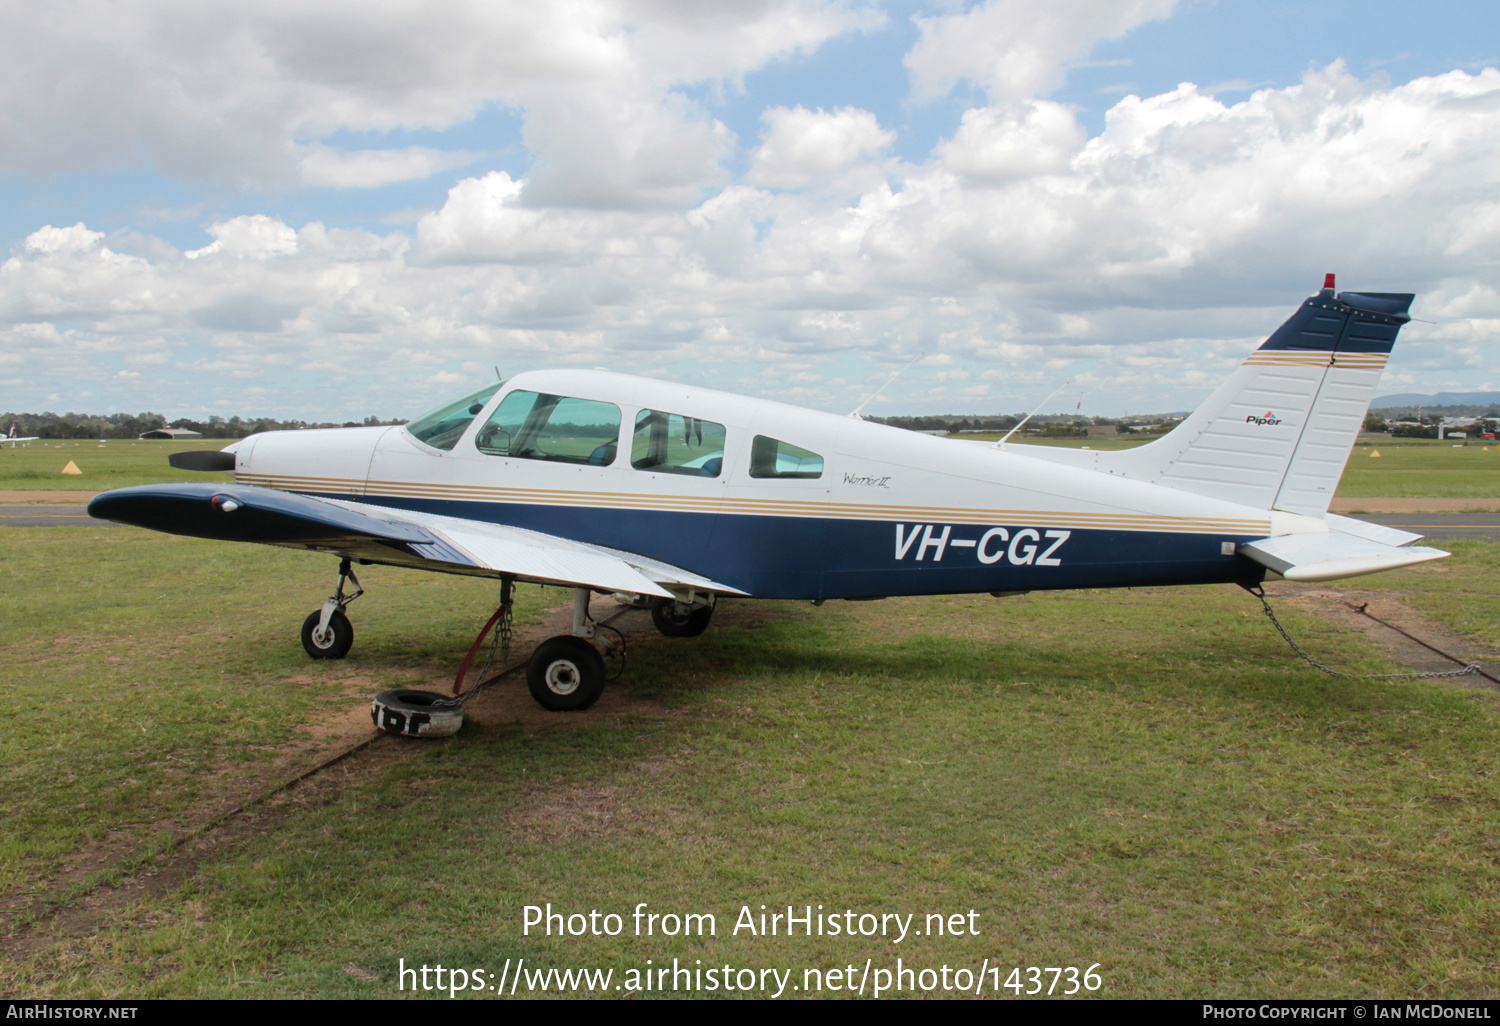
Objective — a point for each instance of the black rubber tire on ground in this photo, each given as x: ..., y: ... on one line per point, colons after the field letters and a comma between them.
x: 341, y: 629
x: 674, y: 625
x: 566, y: 674
x: 415, y: 713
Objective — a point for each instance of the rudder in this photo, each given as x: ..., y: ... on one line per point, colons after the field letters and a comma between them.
x: 1278, y: 433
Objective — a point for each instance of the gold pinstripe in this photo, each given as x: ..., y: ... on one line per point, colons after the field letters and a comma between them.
x: 758, y: 507
x: 1281, y: 358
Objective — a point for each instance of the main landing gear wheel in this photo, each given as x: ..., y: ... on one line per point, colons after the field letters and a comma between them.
x: 334, y: 643
x: 566, y: 674
x: 668, y: 618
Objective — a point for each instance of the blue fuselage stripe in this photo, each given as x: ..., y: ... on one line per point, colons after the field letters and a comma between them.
x: 816, y: 557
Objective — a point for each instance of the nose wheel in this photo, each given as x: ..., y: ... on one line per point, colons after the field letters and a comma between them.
x: 332, y: 641
x: 327, y: 633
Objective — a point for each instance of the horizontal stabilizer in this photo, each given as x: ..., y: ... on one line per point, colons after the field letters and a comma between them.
x: 1329, y: 557
x: 1370, y: 532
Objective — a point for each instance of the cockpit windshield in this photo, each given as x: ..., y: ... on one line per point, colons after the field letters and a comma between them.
x: 443, y: 427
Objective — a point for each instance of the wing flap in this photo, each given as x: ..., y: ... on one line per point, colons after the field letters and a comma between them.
x: 560, y: 564
x: 500, y: 546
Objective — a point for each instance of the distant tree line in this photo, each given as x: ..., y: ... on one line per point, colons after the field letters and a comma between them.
x: 1427, y: 425
x: 125, y: 425
x: 949, y: 423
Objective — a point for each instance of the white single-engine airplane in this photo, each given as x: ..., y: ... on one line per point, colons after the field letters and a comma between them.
x: 609, y: 483
x: 15, y: 439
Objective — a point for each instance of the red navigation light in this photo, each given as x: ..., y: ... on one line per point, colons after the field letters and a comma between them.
x: 1328, y: 280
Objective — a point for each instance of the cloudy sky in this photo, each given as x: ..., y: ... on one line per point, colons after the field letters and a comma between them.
x: 328, y: 210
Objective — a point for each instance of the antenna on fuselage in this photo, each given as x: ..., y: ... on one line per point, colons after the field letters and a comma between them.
x: 498, y: 376
x: 1033, y: 413
x: 882, y: 388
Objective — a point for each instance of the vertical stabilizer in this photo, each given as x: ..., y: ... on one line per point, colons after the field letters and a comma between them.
x: 1277, y: 434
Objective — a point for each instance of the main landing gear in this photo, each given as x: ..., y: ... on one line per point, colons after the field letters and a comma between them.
x: 567, y: 673
x: 327, y: 633
x: 683, y: 618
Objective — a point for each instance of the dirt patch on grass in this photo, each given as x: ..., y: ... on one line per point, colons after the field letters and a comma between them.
x: 1422, y: 651
x: 78, y: 495
x: 1415, y: 505
x: 567, y: 813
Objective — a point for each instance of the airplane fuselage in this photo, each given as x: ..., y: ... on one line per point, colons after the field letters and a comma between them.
x: 861, y: 510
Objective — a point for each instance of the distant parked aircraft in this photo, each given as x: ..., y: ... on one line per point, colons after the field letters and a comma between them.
x: 15, y: 439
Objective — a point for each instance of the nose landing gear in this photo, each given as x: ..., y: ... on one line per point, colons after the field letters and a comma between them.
x: 327, y: 633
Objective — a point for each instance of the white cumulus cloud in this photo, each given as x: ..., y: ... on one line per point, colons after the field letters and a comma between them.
x: 229, y: 94
x: 1017, y: 49
x: 804, y: 146
x: 369, y: 169
x: 251, y: 237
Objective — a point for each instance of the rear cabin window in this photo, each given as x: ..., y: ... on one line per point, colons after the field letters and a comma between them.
x: 443, y: 427
x: 770, y: 457
x: 667, y: 443
x: 538, y: 426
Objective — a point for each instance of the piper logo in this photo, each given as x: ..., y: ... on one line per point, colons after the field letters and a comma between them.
x: 1269, y: 418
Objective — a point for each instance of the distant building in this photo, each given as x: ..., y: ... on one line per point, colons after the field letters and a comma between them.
x: 172, y: 434
x: 1103, y: 430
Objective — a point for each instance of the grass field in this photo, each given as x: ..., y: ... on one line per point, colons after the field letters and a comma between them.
x: 1144, y: 780
x: 104, y: 465
x: 145, y: 674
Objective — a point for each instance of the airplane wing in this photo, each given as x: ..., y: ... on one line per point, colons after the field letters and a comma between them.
x: 377, y: 534
x: 1350, y: 548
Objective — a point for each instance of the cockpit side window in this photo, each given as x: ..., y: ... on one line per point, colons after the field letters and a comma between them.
x: 443, y: 427
x: 668, y: 443
x: 772, y: 458
x: 539, y: 426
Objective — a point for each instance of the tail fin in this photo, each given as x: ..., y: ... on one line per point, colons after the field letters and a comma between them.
x: 1277, y: 434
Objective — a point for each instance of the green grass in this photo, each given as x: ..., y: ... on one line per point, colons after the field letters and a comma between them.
x: 1143, y: 779
x: 112, y: 464
x: 1459, y: 592
x: 1427, y: 470
x: 144, y: 678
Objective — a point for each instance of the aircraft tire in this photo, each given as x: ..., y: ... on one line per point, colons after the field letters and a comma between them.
x: 415, y: 713
x: 338, y: 646
x: 565, y: 674
x: 674, y: 626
